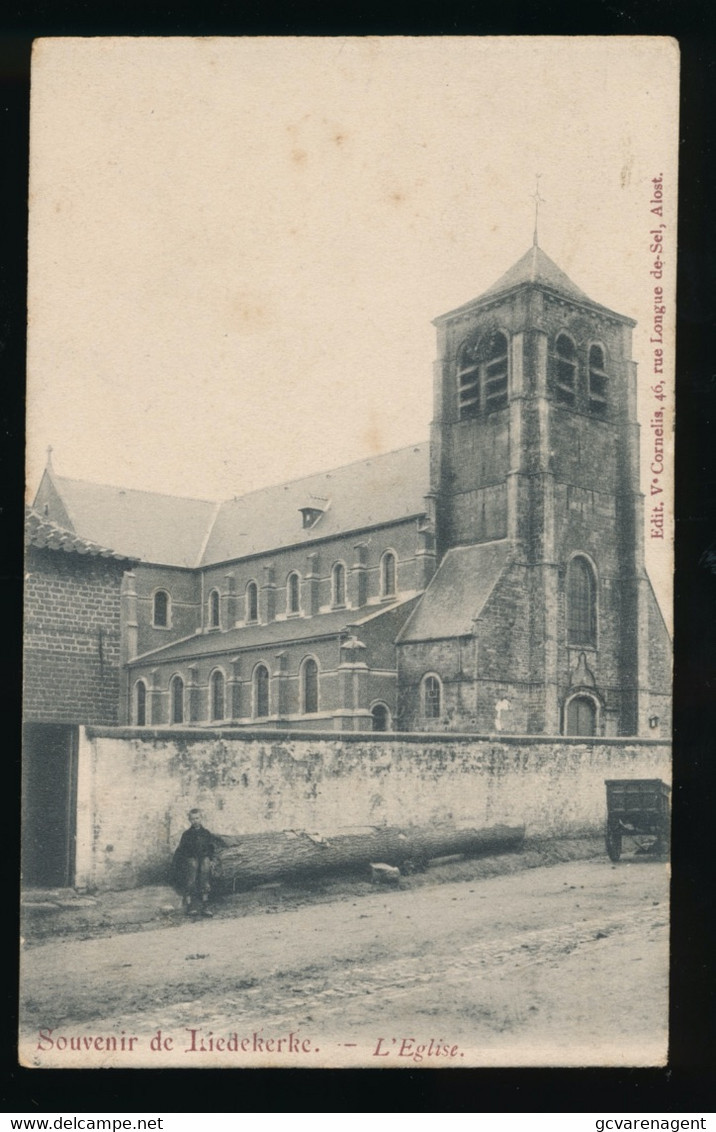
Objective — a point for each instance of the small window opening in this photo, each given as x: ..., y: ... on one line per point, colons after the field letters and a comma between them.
x: 217, y: 695
x: 380, y: 716
x: 252, y: 602
x: 140, y: 707
x: 310, y: 687
x: 388, y: 578
x: 214, y: 609
x: 177, y: 699
x: 161, y: 609
x: 339, y: 584
x: 293, y: 593
x: 432, y: 696
x: 261, y: 691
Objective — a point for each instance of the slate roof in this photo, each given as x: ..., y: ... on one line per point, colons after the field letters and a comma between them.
x: 535, y: 267
x: 382, y: 489
x: 171, y: 530
x: 329, y: 624
x: 45, y: 535
x: 457, y: 592
x: 165, y: 529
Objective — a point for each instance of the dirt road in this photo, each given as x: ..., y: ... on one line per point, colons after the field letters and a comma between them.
x: 563, y: 965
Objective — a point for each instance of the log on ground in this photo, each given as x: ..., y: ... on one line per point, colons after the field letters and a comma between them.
x: 256, y: 858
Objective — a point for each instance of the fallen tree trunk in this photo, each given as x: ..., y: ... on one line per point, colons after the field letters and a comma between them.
x: 258, y: 858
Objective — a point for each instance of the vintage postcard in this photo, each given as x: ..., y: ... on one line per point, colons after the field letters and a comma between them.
x: 347, y: 688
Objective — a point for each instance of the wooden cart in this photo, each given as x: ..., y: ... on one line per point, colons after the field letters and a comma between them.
x: 637, y: 808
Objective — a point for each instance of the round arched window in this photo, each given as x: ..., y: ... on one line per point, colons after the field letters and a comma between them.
x: 310, y: 686
x: 261, y: 691
x: 216, y: 691
x: 177, y: 699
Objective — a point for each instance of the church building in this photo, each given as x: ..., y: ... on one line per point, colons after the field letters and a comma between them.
x: 491, y: 580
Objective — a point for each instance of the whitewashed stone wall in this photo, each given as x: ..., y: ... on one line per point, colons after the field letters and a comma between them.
x: 135, y: 787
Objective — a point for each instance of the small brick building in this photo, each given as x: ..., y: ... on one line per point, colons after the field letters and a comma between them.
x: 71, y: 676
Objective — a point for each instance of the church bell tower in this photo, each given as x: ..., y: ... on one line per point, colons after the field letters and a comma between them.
x: 535, y: 447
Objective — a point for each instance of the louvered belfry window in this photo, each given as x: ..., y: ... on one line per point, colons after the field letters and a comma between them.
x: 482, y: 375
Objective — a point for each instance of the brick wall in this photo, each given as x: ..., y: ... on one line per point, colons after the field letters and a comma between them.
x: 72, y: 636
x: 135, y: 788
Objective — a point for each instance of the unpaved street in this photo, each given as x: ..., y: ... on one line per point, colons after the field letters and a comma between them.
x: 556, y: 965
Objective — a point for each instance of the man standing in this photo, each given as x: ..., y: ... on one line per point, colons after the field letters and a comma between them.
x: 193, y: 865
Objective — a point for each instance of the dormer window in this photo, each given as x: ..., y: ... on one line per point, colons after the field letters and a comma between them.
x: 314, y: 511
x: 311, y: 515
x: 565, y: 370
x: 482, y: 375
x: 597, y: 382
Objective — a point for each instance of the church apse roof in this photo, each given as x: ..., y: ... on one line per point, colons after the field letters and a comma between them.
x: 145, y: 525
x: 535, y: 268
x: 457, y: 592
x: 43, y: 534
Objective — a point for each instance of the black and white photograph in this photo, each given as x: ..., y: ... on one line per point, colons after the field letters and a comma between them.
x: 347, y: 685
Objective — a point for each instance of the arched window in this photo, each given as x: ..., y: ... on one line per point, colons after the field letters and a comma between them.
x: 216, y: 695
x: 252, y: 602
x: 597, y: 382
x: 214, y: 609
x: 581, y: 603
x: 140, y: 703
x: 565, y: 370
x: 293, y: 593
x: 381, y: 717
x: 482, y: 375
x: 581, y: 716
x: 161, y: 610
x: 339, y: 584
x: 388, y: 573
x: 432, y: 697
x: 309, y: 686
x: 176, y: 689
x: 261, y: 691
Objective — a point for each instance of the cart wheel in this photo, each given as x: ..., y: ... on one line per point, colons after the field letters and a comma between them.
x: 663, y: 846
x: 613, y: 840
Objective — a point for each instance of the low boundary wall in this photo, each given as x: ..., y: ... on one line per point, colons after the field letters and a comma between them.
x: 136, y: 785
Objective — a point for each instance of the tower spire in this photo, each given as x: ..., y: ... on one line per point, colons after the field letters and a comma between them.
x: 538, y: 201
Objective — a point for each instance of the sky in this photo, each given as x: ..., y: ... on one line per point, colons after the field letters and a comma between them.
x: 237, y: 246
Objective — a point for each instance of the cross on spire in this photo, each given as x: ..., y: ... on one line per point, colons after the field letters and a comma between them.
x: 49, y: 455
x: 538, y: 201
